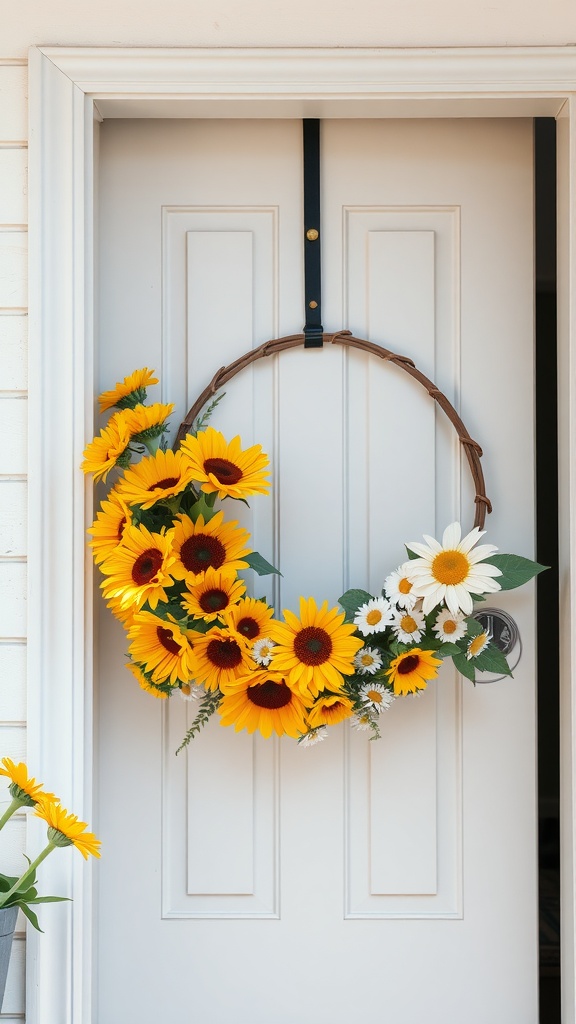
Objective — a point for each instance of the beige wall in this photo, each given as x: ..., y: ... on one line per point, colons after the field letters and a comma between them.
x: 212, y: 23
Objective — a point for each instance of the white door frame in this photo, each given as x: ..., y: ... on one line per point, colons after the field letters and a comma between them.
x: 69, y: 88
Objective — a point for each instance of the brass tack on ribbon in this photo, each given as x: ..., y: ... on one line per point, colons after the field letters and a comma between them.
x: 311, y: 234
x: 313, y: 305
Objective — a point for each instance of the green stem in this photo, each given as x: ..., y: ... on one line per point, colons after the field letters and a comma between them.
x: 152, y: 444
x: 4, y: 897
x: 8, y: 814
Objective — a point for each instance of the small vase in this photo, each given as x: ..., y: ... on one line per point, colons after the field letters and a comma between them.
x: 8, y: 917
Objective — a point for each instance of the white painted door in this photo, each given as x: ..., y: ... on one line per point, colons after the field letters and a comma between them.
x: 254, y: 880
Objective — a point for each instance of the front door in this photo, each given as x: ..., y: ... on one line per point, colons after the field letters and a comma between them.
x: 255, y: 880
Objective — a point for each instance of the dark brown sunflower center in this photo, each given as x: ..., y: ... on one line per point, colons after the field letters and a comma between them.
x: 224, y: 653
x: 248, y: 627
x: 146, y: 566
x: 201, y: 551
x: 313, y: 645
x: 270, y: 695
x: 214, y: 601
x: 166, y: 638
x: 224, y: 471
x: 121, y: 527
x: 169, y: 481
x: 408, y: 664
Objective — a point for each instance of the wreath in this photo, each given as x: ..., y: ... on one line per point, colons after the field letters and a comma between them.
x: 172, y: 560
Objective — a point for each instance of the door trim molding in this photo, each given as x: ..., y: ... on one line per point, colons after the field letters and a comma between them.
x: 70, y: 87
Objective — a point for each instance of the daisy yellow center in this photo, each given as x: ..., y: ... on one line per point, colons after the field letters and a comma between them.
x: 269, y: 695
x: 313, y: 645
x: 449, y: 626
x: 265, y: 652
x: 409, y: 664
x: 224, y: 470
x: 249, y: 628
x: 200, y: 552
x: 224, y: 653
x: 404, y: 586
x: 367, y: 659
x: 169, y: 481
x: 374, y: 696
x: 450, y: 568
x: 477, y: 644
x: 373, y: 616
x: 408, y: 624
x: 166, y: 638
x: 214, y: 600
x: 146, y: 566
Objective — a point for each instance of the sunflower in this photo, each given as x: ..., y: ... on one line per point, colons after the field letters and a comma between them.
x: 374, y: 616
x: 148, y: 421
x: 219, y: 658
x: 213, y: 594
x: 330, y: 709
x: 225, y: 468
x: 138, y: 570
x: 64, y: 829
x: 124, y: 615
x: 410, y: 671
x: 477, y: 644
x: 128, y: 392
x: 108, y: 527
x: 408, y: 626
x: 145, y: 683
x: 449, y: 627
x: 316, y: 650
x: 451, y: 572
x: 163, y: 650
x: 109, y: 448
x: 22, y: 788
x: 250, y: 618
x: 263, y: 700
x: 398, y: 587
x: 156, y: 478
x: 199, y: 546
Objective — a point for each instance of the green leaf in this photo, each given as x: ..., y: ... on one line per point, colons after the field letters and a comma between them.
x: 31, y: 916
x: 464, y: 667
x: 473, y: 628
x: 516, y: 571
x: 446, y: 650
x: 260, y: 565
x: 492, y: 660
x: 203, y: 507
x: 50, y: 899
x: 411, y: 554
x: 352, y: 600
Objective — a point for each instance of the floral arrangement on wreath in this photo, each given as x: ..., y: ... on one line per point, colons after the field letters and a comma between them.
x: 171, y: 560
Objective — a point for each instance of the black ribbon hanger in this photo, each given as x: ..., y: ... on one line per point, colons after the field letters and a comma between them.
x: 313, y: 330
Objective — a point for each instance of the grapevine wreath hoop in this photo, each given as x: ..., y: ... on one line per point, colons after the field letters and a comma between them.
x: 171, y: 557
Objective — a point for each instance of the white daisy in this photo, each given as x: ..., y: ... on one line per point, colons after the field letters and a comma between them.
x: 368, y: 661
x: 449, y: 627
x: 189, y: 691
x: 478, y: 644
x: 310, y: 739
x: 262, y: 651
x: 376, y: 697
x: 408, y: 625
x: 451, y: 572
x: 374, y: 616
x: 398, y: 587
x: 361, y: 722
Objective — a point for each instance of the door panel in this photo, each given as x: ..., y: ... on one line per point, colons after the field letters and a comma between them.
x: 388, y: 880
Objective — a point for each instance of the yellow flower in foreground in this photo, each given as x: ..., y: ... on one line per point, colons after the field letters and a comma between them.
x: 226, y: 468
x: 199, y: 546
x: 410, y: 671
x: 250, y: 618
x: 145, y: 683
x: 108, y: 527
x: 138, y: 569
x: 330, y: 709
x: 161, y: 648
x: 263, y: 700
x: 22, y: 787
x: 107, y: 449
x: 451, y: 572
x: 131, y: 390
x: 156, y: 478
x: 219, y: 658
x: 317, y: 650
x: 64, y: 829
x: 148, y: 419
x: 216, y: 591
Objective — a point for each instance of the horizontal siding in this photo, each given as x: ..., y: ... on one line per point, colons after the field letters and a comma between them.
x: 13, y: 103
x: 13, y: 431
x: 13, y: 535
x: 13, y: 688
x: 13, y: 352
x: 13, y: 269
x: 12, y: 600
x: 13, y: 186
